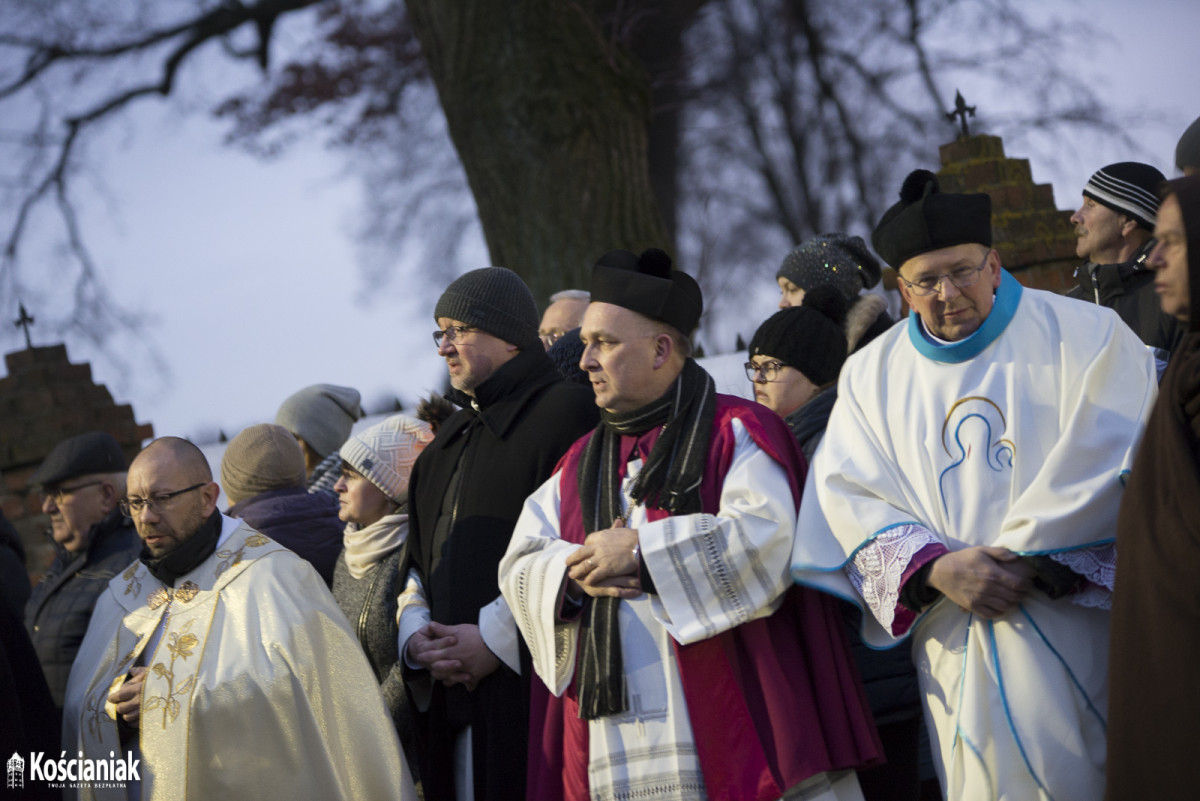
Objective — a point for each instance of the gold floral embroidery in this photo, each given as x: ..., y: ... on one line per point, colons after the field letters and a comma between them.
x: 159, y: 597
x: 233, y: 558
x: 134, y: 587
x: 183, y: 593
x: 182, y: 645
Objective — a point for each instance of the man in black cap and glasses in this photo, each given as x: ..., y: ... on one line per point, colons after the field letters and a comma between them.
x: 968, y: 484
x: 81, y: 481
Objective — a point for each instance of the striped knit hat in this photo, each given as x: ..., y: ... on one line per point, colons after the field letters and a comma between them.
x: 385, y: 453
x: 1129, y: 188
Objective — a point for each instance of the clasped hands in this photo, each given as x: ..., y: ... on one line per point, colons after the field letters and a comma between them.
x: 452, y: 654
x: 606, y: 564
x: 987, y: 580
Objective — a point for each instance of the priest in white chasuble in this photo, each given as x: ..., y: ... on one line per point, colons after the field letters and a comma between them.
x: 220, y: 662
x: 968, y: 486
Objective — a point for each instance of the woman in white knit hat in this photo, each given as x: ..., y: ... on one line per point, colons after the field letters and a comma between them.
x: 373, y: 502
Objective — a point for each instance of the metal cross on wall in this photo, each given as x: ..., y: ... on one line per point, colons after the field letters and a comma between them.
x: 24, y: 321
x: 961, y: 109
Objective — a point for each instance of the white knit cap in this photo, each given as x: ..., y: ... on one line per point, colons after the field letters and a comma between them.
x: 385, y: 453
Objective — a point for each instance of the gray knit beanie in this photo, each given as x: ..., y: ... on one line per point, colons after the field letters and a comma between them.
x: 495, y: 300
x: 322, y: 415
x: 385, y: 453
x: 1187, y: 152
x: 262, y: 458
x: 837, y: 259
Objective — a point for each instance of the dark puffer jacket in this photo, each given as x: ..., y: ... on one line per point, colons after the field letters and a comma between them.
x: 61, y: 605
x: 305, y: 523
x: 1128, y: 289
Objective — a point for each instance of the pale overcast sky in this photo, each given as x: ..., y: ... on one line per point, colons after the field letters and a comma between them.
x: 245, y: 271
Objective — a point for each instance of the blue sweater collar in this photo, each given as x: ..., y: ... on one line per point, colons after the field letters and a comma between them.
x: 1008, y: 297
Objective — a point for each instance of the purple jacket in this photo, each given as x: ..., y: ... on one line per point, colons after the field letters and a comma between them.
x: 307, y: 524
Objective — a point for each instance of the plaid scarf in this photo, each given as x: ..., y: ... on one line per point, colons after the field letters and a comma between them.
x: 670, y: 480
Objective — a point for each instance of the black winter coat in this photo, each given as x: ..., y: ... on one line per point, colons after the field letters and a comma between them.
x: 484, y: 462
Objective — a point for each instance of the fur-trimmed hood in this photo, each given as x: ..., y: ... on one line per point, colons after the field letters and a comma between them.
x: 863, y: 316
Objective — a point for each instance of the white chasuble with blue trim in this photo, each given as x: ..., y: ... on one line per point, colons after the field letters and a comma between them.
x: 1018, y: 436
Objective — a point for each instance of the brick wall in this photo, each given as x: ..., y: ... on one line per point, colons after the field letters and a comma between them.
x: 43, y: 400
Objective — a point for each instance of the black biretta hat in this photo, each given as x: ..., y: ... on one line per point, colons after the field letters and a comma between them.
x: 928, y: 219
x: 647, y: 285
x: 82, y: 455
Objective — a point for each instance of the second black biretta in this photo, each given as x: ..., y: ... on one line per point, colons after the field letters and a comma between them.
x: 928, y: 219
x: 647, y: 285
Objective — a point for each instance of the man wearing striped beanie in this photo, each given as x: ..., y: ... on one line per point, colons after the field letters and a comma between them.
x: 1114, y: 228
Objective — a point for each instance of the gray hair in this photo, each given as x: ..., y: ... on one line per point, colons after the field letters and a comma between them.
x: 571, y: 294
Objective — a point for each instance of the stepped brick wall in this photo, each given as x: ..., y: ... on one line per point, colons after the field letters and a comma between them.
x: 1035, y: 240
x: 44, y: 399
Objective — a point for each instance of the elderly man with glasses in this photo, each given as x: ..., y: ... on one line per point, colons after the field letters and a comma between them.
x: 81, y: 482
x: 968, y: 486
x: 220, y: 665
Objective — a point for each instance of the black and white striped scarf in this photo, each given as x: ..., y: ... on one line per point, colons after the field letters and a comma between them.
x: 670, y: 480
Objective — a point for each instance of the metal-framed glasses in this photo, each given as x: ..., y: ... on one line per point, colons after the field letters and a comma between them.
x: 59, y: 494
x: 961, y: 277
x: 451, y: 333
x: 156, y: 502
x: 768, y: 370
x: 550, y: 337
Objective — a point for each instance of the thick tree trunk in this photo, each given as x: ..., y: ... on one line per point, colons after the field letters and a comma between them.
x: 549, y: 117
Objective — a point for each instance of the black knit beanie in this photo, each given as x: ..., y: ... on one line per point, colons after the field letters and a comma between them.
x: 566, y: 353
x: 495, y: 300
x: 808, y: 337
x: 836, y: 259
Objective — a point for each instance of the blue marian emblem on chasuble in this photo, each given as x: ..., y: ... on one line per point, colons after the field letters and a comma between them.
x: 973, y: 437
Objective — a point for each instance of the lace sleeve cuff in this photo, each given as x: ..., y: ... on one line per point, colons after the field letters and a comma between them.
x: 1098, y: 566
x: 877, y: 570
